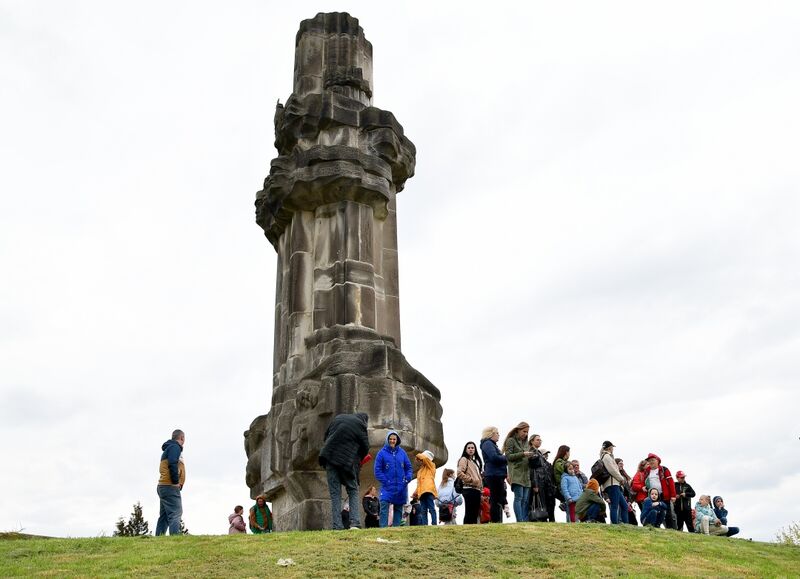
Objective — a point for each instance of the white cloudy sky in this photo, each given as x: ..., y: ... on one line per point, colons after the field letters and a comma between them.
x: 601, y: 238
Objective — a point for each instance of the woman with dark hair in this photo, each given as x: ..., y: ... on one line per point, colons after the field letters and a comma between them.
x: 560, y: 463
x: 518, y: 473
x: 559, y: 466
x: 542, y: 478
x: 495, y: 472
x: 468, y: 471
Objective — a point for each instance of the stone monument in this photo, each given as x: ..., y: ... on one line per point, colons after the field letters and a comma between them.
x: 328, y: 208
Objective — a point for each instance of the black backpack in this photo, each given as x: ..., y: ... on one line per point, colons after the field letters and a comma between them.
x: 600, y: 472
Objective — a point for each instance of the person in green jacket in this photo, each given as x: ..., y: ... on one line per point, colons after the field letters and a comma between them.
x: 260, y: 516
x: 591, y: 508
x: 518, y: 473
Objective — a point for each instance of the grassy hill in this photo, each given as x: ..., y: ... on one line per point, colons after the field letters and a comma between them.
x: 530, y: 549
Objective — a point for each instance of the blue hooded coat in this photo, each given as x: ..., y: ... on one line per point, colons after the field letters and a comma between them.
x: 393, y: 471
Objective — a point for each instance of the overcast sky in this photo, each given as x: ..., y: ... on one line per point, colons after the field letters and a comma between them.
x: 601, y: 239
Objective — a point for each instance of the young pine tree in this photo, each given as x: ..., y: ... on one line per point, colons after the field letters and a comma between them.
x: 136, y: 526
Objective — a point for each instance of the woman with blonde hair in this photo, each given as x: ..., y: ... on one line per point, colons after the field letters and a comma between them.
x: 518, y: 473
x: 495, y: 471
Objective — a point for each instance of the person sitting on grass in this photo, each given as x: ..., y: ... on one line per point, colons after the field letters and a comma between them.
x: 707, y: 522
x: 590, y: 507
x: 653, y: 510
x: 722, y: 515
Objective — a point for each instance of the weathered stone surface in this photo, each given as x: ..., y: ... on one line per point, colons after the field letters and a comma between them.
x: 328, y: 208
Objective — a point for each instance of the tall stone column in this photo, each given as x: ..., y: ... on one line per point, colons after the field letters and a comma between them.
x: 328, y: 208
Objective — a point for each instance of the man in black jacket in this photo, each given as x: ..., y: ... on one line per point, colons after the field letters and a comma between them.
x: 683, y: 503
x: 346, y: 444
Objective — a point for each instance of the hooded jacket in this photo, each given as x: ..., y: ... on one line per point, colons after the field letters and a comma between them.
x: 171, y: 469
x: 426, y: 476
x: 346, y: 442
x: 393, y: 471
x: 722, y: 514
x: 648, y: 506
x: 237, y: 524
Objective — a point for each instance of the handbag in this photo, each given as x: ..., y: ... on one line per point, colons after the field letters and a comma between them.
x: 458, y: 485
x: 538, y: 512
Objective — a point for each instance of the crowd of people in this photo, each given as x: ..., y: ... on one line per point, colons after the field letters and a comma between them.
x: 485, y: 471
x: 479, y: 483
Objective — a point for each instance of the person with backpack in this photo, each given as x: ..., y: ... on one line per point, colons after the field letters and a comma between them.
x: 660, y: 478
x: 605, y: 472
x: 518, y: 473
x: 469, y: 469
x: 449, y: 499
x: 627, y: 492
x: 684, y: 493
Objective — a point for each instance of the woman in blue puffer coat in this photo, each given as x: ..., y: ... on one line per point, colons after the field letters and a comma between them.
x: 495, y: 471
x: 393, y: 471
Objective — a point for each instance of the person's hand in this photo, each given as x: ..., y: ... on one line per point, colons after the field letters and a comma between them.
x: 672, y: 500
x: 527, y: 454
x: 536, y: 489
x: 717, y: 523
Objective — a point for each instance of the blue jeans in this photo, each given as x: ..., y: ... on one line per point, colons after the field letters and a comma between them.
x: 619, y: 506
x: 170, y: 511
x: 427, y: 505
x: 521, y: 495
x: 397, y: 519
x: 336, y: 478
x: 655, y: 518
x: 593, y: 513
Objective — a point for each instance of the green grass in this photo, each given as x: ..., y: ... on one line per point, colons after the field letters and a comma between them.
x: 520, y: 550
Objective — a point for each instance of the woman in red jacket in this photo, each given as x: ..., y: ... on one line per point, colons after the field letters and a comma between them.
x: 638, y: 484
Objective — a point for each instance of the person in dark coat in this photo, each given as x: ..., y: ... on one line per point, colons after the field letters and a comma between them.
x: 346, y: 444
x: 683, y: 502
x: 495, y: 471
x: 543, y: 480
x: 372, y: 508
